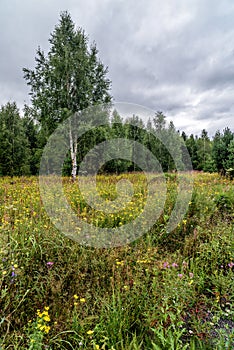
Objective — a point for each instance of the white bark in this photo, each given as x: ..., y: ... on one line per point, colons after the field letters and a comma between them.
x: 73, y: 150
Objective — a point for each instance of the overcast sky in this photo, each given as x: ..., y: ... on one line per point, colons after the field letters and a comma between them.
x: 174, y: 56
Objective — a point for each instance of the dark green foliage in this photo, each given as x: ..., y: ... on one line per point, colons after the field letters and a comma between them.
x: 229, y: 164
x: 22, y: 140
x: 225, y: 203
x: 191, y: 145
x: 14, y: 145
x: 223, y: 150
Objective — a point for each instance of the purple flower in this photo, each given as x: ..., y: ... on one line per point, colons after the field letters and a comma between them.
x: 174, y: 264
x: 166, y: 265
x: 49, y: 264
x: 231, y: 264
x: 180, y: 275
x: 190, y: 274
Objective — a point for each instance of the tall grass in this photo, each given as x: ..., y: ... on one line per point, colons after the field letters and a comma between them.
x: 163, y: 291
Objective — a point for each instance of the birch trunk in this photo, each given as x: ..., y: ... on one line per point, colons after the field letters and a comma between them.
x: 73, y: 150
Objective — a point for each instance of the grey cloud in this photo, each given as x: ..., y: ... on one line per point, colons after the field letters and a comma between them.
x: 172, y: 56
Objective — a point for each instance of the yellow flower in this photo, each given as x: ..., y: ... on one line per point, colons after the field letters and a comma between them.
x: 75, y: 296
x: 47, y: 308
x: 90, y: 332
x: 46, y: 318
x: 75, y: 304
x: 47, y: 329
x: 82, y: 300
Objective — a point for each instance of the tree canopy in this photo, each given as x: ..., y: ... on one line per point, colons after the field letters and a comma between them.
x: 69, y: 78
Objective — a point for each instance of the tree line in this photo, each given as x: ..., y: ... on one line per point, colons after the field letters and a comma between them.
x: 70, y: 78
x: 22, y: 142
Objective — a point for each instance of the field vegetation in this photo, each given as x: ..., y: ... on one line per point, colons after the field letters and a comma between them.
x: 165, y: 290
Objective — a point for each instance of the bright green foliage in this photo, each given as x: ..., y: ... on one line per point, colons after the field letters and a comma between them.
x: 69, y: 78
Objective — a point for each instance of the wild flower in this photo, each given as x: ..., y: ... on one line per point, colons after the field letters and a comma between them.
x: 119, y: 263
x: 40, y: 327
x: 166, y: 265
x: 174, y: 264
x: 49, y: 264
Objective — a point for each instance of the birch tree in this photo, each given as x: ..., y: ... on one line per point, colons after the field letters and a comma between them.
x: 66, y: 80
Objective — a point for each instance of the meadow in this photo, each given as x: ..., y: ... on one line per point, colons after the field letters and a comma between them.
x: 164, y: 290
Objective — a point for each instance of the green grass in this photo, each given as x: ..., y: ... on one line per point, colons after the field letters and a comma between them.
x: 163, y: 291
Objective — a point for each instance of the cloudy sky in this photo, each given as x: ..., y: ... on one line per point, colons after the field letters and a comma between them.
x: 174, y: 56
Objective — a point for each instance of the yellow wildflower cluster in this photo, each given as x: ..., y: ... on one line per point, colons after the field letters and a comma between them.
x: 119, y: 263
x: 43, y: 318
x: 82, y: 300
x: 107, y: 194
x: 143, y: 261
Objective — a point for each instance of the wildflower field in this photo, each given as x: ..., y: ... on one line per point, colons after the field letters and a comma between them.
x: 165, y: 290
